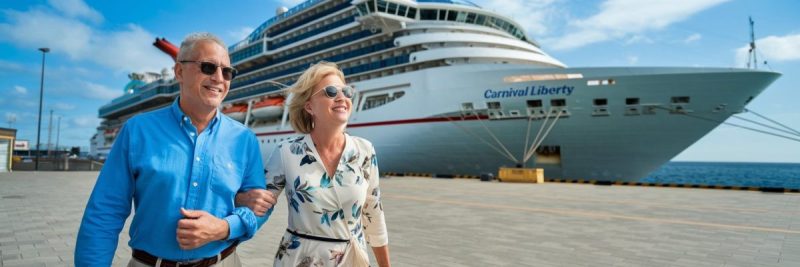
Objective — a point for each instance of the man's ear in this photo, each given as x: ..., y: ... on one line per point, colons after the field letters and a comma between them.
x: 178, y: 69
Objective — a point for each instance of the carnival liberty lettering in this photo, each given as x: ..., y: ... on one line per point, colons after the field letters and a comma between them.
x: 529, y: 91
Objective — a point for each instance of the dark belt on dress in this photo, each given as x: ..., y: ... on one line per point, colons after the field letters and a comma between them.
x: 151, y: 260
x: 318, y: 238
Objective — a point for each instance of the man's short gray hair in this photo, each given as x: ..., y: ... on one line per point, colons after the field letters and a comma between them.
x: 187, y: 46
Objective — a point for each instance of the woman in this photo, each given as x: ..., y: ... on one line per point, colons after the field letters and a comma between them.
x: 330, y: 177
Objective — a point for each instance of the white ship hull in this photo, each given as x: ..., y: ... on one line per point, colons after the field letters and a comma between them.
x: 424, y: 130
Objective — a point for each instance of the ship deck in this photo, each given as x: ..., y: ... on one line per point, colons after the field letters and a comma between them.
x: 465, y: 222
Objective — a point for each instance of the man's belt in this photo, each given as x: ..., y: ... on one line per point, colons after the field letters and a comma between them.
x: 151, y: 260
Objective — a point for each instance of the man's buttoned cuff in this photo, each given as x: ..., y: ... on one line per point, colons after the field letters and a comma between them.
x: 235, y: 227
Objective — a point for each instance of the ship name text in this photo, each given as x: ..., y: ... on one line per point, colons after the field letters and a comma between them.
x: 529, y: 91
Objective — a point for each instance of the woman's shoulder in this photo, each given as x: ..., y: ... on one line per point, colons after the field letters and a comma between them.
x: 362, y: 144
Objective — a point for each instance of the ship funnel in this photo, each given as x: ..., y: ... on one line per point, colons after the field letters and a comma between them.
x: 279, y: 11
x: 167, y: 47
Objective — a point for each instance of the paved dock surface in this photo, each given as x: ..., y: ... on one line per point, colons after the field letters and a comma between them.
x: 455, y: 222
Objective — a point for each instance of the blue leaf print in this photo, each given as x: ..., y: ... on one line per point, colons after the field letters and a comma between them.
x: 335, y: 215
x: 325, y: 220
x: 374, y: 160
x: 295, y: 243
x: 340, y: 213
x: 297, y: 182
x: 297, y: 148
x: 300, y: 197
x: 295, y: 205
x: 356, y: 211
x: 325, y: 181
x: 339, y: 177
x: 308, y: 159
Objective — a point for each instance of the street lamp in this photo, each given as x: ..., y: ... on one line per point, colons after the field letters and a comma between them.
x: 41, y: 94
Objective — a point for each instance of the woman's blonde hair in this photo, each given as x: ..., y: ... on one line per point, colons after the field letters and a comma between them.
x: 303, y: 89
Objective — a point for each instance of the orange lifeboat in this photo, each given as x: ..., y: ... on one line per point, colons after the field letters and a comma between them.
x: 268, y: 107
x: 111, y: 132
x: 235, y: 111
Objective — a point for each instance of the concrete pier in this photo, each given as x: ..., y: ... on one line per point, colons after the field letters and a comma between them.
x: 465, y: 222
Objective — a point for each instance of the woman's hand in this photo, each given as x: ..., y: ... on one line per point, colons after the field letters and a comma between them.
x: 258, y: 200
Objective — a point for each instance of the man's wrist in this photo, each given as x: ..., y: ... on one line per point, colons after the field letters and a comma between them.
x: 225, y: 230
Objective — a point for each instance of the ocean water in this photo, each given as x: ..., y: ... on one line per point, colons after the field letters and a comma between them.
x: 785, y: 175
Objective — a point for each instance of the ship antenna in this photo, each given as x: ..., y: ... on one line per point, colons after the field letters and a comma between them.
x: 751, y: 56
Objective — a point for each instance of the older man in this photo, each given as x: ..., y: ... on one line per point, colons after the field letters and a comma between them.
x: 181, y: 166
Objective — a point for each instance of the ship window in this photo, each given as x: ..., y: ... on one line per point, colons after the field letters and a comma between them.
x: 382, y: 6
x: 412, y: 12
x: 380, y: 100
x: 461, y: 16
x: 535, y: 103
x: 467, y: 106
x: 558, y: 102
x: 480, y: 20
x: 428, y: 14
x: 471, y: 18
x: 452, y: 15
x: 371, y: 6
x: 442, y: 14
x: 362, y: 9
x: 680, y: 100
x: 632, y: 101
x: 401, y: 11
x: 493, y: 105
x: 392, y: 9
x: 600, y: 102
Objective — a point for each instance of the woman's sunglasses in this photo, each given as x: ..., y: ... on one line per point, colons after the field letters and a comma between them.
x: 331, y: 91
x: 208, y: 68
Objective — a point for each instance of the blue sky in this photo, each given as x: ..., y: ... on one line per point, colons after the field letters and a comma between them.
x: 95, y: 44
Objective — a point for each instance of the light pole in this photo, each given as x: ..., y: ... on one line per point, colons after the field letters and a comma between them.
x: 58, y: 134
x: 41, y: 95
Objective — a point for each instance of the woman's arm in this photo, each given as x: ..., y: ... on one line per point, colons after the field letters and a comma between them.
x: 382, y: 255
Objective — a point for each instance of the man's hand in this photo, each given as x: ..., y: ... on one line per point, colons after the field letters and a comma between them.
x: 198, y: 227
x: 258, y: 200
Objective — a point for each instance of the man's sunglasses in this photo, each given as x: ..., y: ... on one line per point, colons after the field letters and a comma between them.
x: 331, y: 91
x: 208, y: 68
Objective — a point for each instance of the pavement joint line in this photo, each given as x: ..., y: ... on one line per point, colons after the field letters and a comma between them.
x: 628, y: 203
x: 594, y: 214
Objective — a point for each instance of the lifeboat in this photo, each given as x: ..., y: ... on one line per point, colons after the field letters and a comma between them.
x: 236, y: 111
x: 268, y: 107
x: 111, y: 132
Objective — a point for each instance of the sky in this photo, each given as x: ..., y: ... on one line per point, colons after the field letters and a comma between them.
x: 96, y: 44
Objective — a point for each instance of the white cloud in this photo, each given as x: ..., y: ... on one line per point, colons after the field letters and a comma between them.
x: 240, y: 34
x: 124, y: 50
x: 86, y: 121
x: 638, y: 39
x: 19, y: 90
x: 8, y: 66
x: 772, y: 48
x: 693, y: 38
x: 63, y: 106
x: 618, y: 19
x: 77, y: 9
x: 532, y: 15
x: 97, y: 91
x: 632, y: 60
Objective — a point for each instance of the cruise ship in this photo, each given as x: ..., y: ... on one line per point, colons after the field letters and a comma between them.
x: 447, y: 88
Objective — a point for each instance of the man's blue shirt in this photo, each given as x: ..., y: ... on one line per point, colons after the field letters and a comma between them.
x: 160, y: 162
